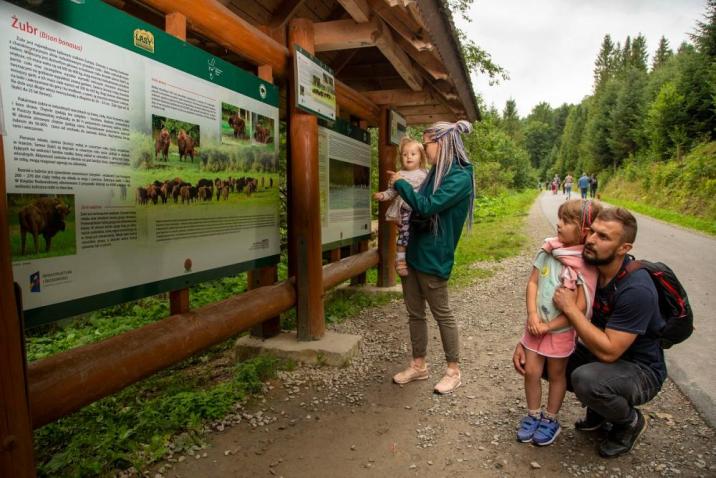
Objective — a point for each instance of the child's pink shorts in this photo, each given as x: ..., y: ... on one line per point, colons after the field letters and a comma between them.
x: 557, y: 345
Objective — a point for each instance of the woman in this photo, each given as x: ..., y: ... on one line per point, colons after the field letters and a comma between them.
x: 440, y: 208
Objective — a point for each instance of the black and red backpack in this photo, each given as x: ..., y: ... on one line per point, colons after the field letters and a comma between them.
x: 673, y: 301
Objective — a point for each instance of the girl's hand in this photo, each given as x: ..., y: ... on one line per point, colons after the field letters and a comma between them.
x: 542, y: 328
x: 393, y: 177
x: 533, y: 324
x: 378, y: 196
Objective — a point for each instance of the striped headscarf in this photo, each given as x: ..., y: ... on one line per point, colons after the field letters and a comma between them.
x: 450, y: 147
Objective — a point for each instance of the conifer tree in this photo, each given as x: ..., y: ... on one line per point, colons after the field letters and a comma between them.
x: 662, y: 54
x: 604, y: 64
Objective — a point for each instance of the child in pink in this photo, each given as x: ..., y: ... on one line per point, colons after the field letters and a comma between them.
x: 549, y: 340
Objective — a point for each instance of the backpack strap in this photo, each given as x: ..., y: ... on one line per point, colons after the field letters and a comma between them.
x: 631, y: 266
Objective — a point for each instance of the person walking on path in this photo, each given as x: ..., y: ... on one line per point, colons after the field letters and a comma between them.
x: 593, y: 184
x: 618, y: 363
x: 583, y: 183
x: 568, y: 181
x: 549, y: 339
x: 440, y: 208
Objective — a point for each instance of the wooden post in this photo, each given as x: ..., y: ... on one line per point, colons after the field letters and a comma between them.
x: 362, y: 246
x: 175, y: 24
x: 335, y: 254
x: 15, y: 426
x: 386, y: 230
x: 304, y: 196
x: 265, y: 275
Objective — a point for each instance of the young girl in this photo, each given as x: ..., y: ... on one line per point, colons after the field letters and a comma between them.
x: 414, y: 162
x: 548, y: 336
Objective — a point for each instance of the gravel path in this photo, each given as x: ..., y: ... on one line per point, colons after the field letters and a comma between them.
x: 353, y: 422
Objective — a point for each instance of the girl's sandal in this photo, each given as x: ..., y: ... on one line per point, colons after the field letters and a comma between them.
x: 401, y: 267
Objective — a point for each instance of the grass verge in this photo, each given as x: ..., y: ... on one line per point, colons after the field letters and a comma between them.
x: 703, y: 225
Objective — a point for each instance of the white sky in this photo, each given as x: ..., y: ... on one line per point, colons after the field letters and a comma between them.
x: 549, y: 46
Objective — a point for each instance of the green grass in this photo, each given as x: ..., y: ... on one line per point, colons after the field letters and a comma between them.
x: 134, y: 427
x: 496, y: 234
x: 685, y: 220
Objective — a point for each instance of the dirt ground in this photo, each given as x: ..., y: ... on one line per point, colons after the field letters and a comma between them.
x: 353, y: 422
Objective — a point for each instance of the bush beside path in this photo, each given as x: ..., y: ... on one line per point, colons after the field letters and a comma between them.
x: 353, y: 422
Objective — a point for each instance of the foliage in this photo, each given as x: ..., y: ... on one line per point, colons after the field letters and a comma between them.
x: 677, y: 187
x: 134, y: 427
x: 497, y: 233
x: 141, y: 150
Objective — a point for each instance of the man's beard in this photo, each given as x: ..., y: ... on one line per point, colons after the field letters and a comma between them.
x: 596, y: 261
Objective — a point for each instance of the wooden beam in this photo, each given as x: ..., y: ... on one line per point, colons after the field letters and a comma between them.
x: 356, y: 103
x: 399, y: 97
x: 345, y: 35
x: 399, y: 59
x: 429, y: 119
x: 217, y: 22
x: 284, y: 12
x: 424, y: 110
x: 338, y: 68
x: 403, y: 24
x: 357, y: 9
x: 426, y: 59
x: 387, y: 232
x: 305, y: 203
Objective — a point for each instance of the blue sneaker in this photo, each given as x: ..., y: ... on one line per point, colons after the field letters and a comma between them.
x: 527, y: 428
x: 547, y: 432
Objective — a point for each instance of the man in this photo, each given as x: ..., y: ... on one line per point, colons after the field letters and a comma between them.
x: 583, y: 183
x: 618, y: 362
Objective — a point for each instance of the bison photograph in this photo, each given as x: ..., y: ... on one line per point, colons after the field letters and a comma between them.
x: 236, y: 125
x: 41, y: 225
x: 174, y: 140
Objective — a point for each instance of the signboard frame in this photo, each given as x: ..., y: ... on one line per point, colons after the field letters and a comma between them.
x: 143, y: 39
x: 302, y: 60
x: 398, y: 127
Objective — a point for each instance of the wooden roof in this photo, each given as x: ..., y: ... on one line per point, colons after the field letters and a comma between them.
x: 399, y: 53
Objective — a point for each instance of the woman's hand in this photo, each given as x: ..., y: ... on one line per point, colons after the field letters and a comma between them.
x: 393, y: 177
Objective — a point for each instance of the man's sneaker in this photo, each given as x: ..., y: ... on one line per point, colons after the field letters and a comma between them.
x: 621, y: 438
x: 449, y: 382
x: 527, y: 428
x: 592, y: 421
x: 547, y: 432
x: 411, y: 374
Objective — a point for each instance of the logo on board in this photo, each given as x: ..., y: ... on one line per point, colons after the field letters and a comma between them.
x: 35, y: 282
x: 262, y: 91
x: 213, y: 69
x: 144, y: 40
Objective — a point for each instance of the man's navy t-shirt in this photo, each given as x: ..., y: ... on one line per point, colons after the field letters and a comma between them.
x: 635, y: 309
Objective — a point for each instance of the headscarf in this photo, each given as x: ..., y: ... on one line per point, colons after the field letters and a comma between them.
x: 450, y: 147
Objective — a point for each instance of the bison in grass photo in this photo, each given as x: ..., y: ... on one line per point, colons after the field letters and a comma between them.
x: 186, y: 145
x: 37, y: 215
x: 162, y: 145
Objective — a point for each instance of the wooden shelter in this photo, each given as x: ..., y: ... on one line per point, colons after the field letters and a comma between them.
x: 386, y: 54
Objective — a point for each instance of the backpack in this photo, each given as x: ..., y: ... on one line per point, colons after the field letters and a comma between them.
x: 673, y: 301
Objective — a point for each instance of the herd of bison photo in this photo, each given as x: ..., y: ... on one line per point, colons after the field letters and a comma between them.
x: 177, y: 191
x: 41, y: 225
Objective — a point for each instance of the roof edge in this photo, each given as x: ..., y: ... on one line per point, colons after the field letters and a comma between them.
x: 438, y: 20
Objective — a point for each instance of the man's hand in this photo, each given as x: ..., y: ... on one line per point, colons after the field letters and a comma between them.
x: 565, y: 300
x: 393, y: 177
x: 518, y: 359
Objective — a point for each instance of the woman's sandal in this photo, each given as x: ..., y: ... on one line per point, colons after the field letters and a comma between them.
x: 401, y: 267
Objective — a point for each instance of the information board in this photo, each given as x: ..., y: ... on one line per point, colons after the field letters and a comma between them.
x: 315, y: 85
x: 344, y: 175
x: 398, y: 127
x: 135, y: 163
